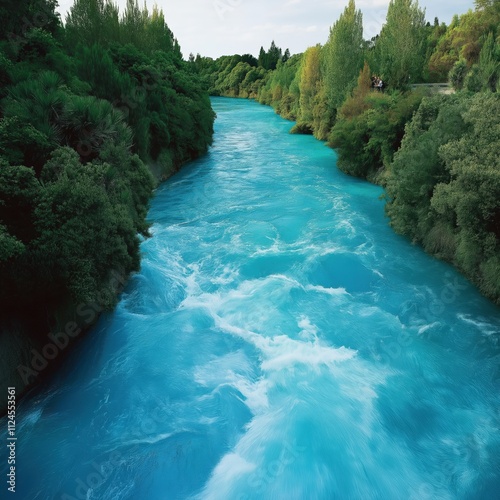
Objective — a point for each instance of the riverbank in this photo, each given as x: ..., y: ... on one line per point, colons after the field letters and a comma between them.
x: 33, y: 346
x: 406, y: 143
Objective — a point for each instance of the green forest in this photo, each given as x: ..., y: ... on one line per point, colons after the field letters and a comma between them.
x: 435, y: 153
x: 94, y: 112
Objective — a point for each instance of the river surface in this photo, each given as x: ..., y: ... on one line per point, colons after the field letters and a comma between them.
x: 279, y: 342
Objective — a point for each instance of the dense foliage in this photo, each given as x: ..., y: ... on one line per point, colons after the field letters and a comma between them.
x: 368, y: 132
x: 399, y: 50
x: 92, y: 115
x: 437, y: 155
x: 238, y: 76
x: 443, y: 186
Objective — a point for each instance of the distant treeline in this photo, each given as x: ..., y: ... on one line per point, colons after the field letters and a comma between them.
x: 436, y: 155
x: 92, y: 115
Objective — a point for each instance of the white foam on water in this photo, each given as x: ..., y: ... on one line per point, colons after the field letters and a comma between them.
x: 231, y: 467
x: 368, y: 311
x: 346, y: 226
x: 152, y: 439
x: 308, y: 332
x: 329, y: 249
x: 289, y: 364
x: 234, y: 370
x: 284, y: 278
x: 191, y: 281
x: 483, y: 325
x: 208, y: 420
x: 334, y: 292
x: 228, y: 275
x: 238, y: 465
x: 282, y: 353
x: 340, y: 205
x: 224, y: 301
x: 422, y: 329
x: 236, y: 241
x: 256, y: 394
x: 293, y: 366
x: 274, y: 249
x: 276, y: 464
x: 216, y: 370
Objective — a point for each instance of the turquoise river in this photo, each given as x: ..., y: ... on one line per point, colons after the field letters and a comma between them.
x: 279, y: 342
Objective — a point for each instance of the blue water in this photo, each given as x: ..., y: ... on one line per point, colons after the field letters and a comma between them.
x: 280, y: 342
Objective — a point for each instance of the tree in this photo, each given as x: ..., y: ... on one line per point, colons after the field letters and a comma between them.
x: 310, y: 74
x: 465, y: 37
x: 33, y: 106
x: 19, y: 16
x: 356, y: 104
x: 236, y: 77
x: 262, y: 58
x: 484, y: 4
x: 434, y: 35
x: 274, y: 55
x: 269, y: 59
x: 159, y: 36
x: 343, y: 55
x: 366, y: 142
x: 417, y: 168
x: 249, y: 59
x: 84, y: 22
x: 400, y: 48
x: 458, y: 73
x: 473, y: 192
x: 489, y: 63
x: 19, y: 194
x: 443, y: 186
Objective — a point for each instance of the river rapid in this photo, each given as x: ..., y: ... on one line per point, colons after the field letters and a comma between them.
x: 279, y: 342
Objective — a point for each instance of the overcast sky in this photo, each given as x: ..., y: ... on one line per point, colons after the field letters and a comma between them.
x: 219, y: 27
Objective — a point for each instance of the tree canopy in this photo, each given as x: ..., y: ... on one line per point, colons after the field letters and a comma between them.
x: 92, y: 116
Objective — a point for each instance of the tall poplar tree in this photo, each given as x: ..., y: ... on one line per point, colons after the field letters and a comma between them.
x: 344, y: 55
x: 310, y: 76
x: 400, y: 48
